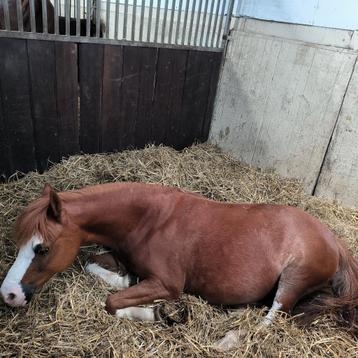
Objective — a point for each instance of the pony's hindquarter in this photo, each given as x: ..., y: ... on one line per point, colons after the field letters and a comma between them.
x: 342, y: 307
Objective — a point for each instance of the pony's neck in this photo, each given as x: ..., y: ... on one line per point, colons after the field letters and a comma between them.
x: 108, y: 215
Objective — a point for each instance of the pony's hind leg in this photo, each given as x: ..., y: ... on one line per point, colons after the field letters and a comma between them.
x: 294, y: 283
x: 107, y: 268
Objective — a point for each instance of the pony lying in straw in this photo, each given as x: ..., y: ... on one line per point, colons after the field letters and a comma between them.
x: 177, y: 242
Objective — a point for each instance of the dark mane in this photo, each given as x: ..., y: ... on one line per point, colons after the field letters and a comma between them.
x: 34, y: 220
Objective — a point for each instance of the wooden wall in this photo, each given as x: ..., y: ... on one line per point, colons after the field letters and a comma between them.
x: 59, y: 98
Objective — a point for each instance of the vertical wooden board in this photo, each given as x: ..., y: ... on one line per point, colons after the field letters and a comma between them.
x: 168, y: 95
x: 148, y: 58
x: 42, y: 66
x: 111, y: 101
x: 5, y: 153
x: 15, y: 95
x: 130, y: 95
x: 196, y: 96
x: 216, y: 59
x: 161, y: 104
x: 67, y: 97
x: 174, y: 123
x: 91, y: 72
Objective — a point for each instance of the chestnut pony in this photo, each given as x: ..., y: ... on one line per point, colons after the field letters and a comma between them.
x: 175, y: 242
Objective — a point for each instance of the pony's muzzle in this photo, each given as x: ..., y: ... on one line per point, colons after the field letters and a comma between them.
x: 17, y: 296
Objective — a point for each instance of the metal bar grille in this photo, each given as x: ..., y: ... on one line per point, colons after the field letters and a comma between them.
x: 20, y: 21
x: 32, y: 16
x: 56, y: 14
x: 194, y: 23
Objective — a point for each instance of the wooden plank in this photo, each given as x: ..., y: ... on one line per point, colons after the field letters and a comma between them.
x: 67, y: 97
x: 130, y: 95
x: 166, y: 115
x: 196, y: 96
x: 5, y: 152
x: 339, y: 176
x: 111, y: 102
x: 15, y: 95
x: 42, y: 66
x: 91, y: 73
x: 215, y: 61
x: 142, y: 135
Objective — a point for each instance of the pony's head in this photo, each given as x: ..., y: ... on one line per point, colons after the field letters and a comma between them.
x: 48, y: 243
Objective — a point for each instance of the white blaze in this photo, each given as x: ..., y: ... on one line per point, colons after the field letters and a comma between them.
x: 11, y: 284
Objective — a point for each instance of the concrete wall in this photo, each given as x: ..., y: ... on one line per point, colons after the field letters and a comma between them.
x: 288, y: 100
x: 340, y: 14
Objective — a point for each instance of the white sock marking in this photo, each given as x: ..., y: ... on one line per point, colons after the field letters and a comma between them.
x: 11, y: 284
x: 112, y: 278
x: 137, y: 313
x: 276, y: 306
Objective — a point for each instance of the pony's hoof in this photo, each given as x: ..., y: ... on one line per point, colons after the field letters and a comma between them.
x: 110, y: 306
x: 231, y: 340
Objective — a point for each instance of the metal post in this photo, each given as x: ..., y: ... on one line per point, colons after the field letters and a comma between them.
x: 222, y: 14
x: 20, y: 20
x: 6, y: 14
x: 78, y: 21
x: 98, y: 17
x: 116, y: 20
x: 134, y: 15
x: 197, y: 22
x: 215, y: 22
x: 88, y: 18
x: 228, y: 21
x: 125, y: 15
x: 150, y: 20
x: 171, y: 22
x: 56, y: 24
x: 164, y: 20
x: 67, y: 16
x: 191, y: 22
x: 141, y: 21
x: 178, y: 21
x: 157, y: 17
x: 204, y: 23
x: 32, y: 16
x: 209, y: 23
x: 108, y: 10
x: 185, y: 22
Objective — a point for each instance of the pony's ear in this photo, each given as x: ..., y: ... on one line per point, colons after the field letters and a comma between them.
x: 54, y: 205
x: 47, y: 189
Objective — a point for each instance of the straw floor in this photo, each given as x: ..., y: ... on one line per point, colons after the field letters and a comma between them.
x: 67, y: 318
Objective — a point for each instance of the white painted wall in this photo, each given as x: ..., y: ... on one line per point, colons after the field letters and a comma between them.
x: 341, y: 14
x: 284, y: 90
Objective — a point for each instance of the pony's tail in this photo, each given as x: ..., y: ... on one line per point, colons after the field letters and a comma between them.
x: 342, y: 307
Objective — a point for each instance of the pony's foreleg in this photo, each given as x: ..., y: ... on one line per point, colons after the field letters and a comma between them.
x: 114, y: 279
x: 111, y: 271
x: 123, y: 303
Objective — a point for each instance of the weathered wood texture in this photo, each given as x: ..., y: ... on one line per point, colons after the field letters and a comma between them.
x: 339, y: 176
x: 132, y: 96
x: 278, y: 102
x: 61, y: 98
x: 17, y: 127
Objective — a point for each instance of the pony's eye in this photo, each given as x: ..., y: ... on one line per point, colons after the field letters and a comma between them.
x: 41, y: 250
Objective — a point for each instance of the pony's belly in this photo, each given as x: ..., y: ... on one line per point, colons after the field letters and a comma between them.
x: 233, y: 291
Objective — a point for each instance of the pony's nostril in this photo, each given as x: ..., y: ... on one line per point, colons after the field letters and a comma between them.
x: 11, y: 296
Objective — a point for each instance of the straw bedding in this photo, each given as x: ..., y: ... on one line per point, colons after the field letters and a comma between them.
x: 67, y: 318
